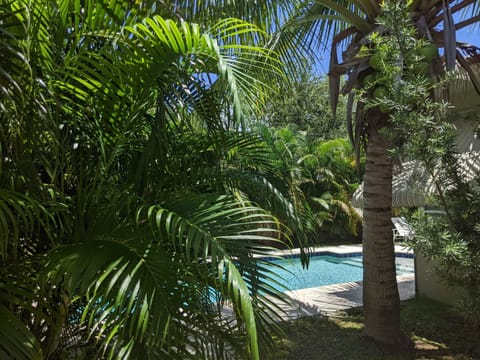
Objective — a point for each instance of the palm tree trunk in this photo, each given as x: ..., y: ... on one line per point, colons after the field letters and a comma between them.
x: 381, y: 302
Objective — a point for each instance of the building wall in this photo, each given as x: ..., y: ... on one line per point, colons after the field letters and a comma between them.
x: 468, y: 133
x: 430, y: 285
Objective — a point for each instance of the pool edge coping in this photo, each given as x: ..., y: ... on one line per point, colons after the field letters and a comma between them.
x: 337, y: 250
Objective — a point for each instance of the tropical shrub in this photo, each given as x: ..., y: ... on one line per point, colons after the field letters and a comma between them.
x: 122, y: 216
x: 324, y: 176
x: 451, y: 241
x: 338, y: 182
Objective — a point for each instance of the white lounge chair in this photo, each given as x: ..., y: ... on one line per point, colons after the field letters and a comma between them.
x: 401, y: 229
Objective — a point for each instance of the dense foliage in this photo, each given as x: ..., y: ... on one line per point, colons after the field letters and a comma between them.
x: 452, y: 245
x: 313, y: 155
x: 132, y: 198
x: 325, y: 176
x: 303, y: 102
x: 124, y: 184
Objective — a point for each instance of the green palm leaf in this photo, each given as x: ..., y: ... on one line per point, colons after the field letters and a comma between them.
x: 142, y: 277
x: 105, y: 91
x: 16, y: 341
x: 14, y: 61
x: 19, y: 216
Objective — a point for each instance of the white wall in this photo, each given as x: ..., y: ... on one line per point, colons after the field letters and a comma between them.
x: 431, y: 285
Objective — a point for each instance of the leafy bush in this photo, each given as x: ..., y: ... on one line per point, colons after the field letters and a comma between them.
x: 324, y: 176
x: 452, y: 241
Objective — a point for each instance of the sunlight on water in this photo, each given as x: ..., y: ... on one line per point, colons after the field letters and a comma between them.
x: 327, y: 270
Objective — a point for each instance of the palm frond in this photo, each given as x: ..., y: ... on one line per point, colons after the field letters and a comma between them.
x: 470, y: 71
x: 20, y: 216
x: 449, y: 37
x: 108, y: 89
x: 16, y: 341
x: 14, y: 66
x: 199, y: 242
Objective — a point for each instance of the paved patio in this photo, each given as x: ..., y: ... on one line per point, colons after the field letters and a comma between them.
x: 326, y: 300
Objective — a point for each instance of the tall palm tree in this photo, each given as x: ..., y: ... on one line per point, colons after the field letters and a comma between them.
x: 121, y: 223
x: 347, y: 25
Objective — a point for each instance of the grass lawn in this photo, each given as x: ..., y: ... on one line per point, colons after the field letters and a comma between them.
x: 437, y: 331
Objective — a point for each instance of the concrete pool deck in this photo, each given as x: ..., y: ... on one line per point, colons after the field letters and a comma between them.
x: 326, y: 300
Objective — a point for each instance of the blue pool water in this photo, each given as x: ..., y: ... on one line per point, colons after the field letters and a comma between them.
x: 327, y: 270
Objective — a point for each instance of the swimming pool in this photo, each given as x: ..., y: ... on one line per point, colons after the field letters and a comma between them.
x: 327, y: 270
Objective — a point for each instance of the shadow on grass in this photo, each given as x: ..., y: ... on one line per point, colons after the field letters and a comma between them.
x: 438, y: 333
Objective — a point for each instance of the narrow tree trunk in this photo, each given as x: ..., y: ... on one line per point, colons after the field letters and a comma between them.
x: 381, y: 302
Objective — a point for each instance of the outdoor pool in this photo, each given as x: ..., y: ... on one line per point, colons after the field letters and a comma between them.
x: 327, y: 270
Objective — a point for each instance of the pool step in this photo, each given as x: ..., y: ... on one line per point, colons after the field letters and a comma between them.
x: 347, y: 261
